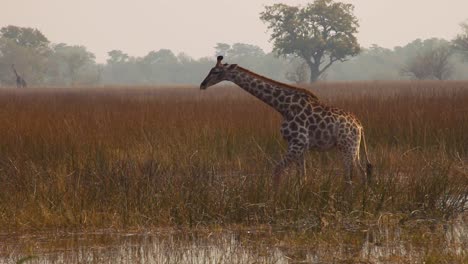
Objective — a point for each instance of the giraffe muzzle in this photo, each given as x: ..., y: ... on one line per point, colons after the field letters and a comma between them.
x: 203, y: 86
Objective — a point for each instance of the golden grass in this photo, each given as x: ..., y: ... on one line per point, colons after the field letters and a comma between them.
x: 142, y: 157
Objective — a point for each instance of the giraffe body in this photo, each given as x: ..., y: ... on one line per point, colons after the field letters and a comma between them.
x: 307, y: 122
x: 20, y: 82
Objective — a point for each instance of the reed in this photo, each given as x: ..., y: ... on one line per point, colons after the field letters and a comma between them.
x: 143, y: 157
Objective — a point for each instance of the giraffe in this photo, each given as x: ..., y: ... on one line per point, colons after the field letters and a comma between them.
x: 20, y: 82
x: 307, y: 122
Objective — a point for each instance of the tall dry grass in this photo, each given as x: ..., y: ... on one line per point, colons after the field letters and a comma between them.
x: 133, y: 157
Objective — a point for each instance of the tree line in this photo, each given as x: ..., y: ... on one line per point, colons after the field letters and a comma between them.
x: 313, y: 42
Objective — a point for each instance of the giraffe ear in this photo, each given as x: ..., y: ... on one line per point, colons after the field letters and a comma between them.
x: 232, y: 66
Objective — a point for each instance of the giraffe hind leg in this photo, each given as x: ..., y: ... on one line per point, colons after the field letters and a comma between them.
x: 348, y: 168
x: 365, y: 172
x: 364, y: 175
x: 348, y: 177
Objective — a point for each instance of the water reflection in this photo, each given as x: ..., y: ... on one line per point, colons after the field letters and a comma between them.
x: 135, y: 248
x: 379, y: 244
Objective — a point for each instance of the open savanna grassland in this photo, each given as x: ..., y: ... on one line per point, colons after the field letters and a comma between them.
x: 147, y: 157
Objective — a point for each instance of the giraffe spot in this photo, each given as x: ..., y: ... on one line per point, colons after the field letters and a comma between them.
x: 318, y: 134
x: 327, y: 119
x: 317, y: 117
x: 276, y: 93
x: 293, y: 126
x: 313, y: 127
x: 322, y: 125
x: 295, y: 108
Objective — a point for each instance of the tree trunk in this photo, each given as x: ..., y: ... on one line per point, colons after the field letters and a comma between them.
x: 314, y: 72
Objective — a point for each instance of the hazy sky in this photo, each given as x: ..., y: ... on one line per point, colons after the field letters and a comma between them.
x: 195, y: 26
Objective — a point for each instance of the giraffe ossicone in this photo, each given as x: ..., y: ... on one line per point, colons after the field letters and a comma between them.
x: 307, y: 122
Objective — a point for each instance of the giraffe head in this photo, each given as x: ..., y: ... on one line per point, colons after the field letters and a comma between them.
x: 217, y: 74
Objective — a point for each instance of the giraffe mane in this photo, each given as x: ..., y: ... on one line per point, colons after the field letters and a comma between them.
x: 266, y: 79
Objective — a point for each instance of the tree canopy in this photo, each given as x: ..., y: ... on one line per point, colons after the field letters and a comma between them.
x: 26, y: 37
x: 320, y: 33
x: 430, y: 60
x: 28, y: 49
x: 461, y: 41
x: 49, y: 64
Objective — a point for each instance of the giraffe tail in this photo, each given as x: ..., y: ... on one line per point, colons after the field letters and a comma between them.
x: 369, y: 166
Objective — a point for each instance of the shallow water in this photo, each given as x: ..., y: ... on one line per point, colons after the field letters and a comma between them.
x: 112, y: 247
x: 380, y: 244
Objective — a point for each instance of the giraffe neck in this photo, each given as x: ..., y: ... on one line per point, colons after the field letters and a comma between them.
x: 271, y: 94
x: 16, y: 74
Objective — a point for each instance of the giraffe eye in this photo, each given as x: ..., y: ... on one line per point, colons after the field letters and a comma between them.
x: 216, y: 72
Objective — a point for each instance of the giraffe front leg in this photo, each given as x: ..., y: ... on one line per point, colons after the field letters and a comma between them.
x: 301, y: 165
x: 295, y: 154
x: 279, y: 170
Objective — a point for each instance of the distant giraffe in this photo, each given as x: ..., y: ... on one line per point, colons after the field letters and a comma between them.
x: 307, y: 122
x: 20, y: 82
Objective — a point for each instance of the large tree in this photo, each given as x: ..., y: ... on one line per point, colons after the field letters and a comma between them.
x: 320, y: 33
x: 431, y: 60
x: 430, y: 64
